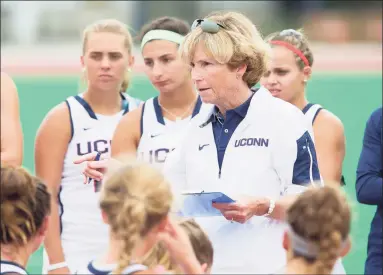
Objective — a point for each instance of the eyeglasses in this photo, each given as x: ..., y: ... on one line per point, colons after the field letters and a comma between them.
x: 207, y: 25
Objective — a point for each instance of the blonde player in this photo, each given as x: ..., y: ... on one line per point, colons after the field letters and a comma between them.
x: 135, y: 203
x: 318, y: 231
x: 11, y: 131
x: 152, y: 131
x: 288, y: 72
x: 25, y: 207
x: 83, y: 124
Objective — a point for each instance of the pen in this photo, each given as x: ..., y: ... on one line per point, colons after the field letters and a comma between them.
x: 97, y: 158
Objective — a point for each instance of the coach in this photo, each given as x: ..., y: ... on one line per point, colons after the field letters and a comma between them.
x: 252, y: 146
x: 369, y: 188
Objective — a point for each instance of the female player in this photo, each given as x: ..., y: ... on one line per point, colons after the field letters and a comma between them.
x: 154, y: 129
x: 289, y: 70
x: 251, y: 146
x: 11, y: 131
x: 135, y: 203
x: 318, y: 231
x: 25, y: 207
x: 200, y: 242
x: 83, y: 124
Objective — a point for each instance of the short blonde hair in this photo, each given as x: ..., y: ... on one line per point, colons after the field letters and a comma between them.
x: 135, y: 197
x: 110, y: 26
x: 238, y: 42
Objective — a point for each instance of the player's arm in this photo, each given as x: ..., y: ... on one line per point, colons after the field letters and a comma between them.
x: 330, y: 145
x: 127, y: 134
x: 53, y: 137
x: 369, y: 181
x: 11, y: 131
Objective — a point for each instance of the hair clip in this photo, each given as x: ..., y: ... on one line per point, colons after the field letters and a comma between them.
x: 206, y: 25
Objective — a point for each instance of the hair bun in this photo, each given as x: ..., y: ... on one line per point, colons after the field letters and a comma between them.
x: 16, y: 183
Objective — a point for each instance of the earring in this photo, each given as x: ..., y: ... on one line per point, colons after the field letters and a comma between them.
x: 129, y: 70
x: 237, y: 76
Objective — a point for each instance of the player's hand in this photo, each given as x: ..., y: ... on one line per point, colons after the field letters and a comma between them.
x: 93, y: 169
x: 178, y: 244
x: 241, y: 212
x: 63, y: 271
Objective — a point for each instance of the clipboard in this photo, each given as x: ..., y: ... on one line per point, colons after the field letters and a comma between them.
x: 199, y: 204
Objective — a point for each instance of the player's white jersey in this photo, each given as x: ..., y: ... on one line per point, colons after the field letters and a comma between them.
x: 311, y: 111
x: 160, y: 136
x: 104, y: 269
x: 7, y: 267
x: 83, y: 232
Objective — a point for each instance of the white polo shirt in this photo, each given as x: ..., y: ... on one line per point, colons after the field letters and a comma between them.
x: 270, y: 154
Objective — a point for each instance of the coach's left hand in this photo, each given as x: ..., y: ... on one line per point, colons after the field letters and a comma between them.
x: 242, y: 211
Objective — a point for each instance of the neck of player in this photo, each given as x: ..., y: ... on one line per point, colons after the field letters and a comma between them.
x: 300, y: 101
x: 297, y: 266
x: 15, y: 255
x: 178, y: 101
x: 115, y: 249
x: 233, y: 99
x: 103, y: 102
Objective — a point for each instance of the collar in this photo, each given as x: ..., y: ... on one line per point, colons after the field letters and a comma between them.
x: 241, y: 110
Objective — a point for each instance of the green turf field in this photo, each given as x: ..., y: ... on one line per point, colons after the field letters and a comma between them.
x: 351, y: 97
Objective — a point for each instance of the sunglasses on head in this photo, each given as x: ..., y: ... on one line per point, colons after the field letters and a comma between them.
x: 290, y: 32
x: 206, y: 25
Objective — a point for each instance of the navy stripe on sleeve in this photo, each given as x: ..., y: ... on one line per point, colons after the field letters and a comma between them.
x: 306, y: 169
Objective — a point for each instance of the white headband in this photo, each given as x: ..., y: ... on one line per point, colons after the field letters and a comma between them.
x: 161, y: 35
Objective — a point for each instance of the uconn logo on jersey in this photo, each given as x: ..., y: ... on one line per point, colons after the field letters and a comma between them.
x: 157, y: 156
x: 100, y: 145
x: 252, y: 142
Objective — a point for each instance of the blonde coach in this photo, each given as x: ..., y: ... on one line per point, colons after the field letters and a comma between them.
x: 251, y: 146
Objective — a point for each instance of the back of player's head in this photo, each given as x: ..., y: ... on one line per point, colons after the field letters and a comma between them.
x: 135, y: 198
x: 200, y: 242
x: 25, y: 204
x: 235, y: 41
x: 202, y: 246
x: 298, y: 41
x: 110, y: 26
x: 166, y: 23
x: 319, y: 226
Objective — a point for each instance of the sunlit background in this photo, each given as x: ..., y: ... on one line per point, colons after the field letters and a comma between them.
x: 41, y: 43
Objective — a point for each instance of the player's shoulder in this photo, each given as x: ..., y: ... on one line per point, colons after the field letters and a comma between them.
x: 8, y: 85
x: 328, y: 120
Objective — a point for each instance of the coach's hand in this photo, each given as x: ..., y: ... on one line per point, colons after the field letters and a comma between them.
x: 241, y: 212
x: 93, y: 169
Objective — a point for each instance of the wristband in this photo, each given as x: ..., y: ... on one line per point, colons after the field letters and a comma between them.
x: 57, y: 266
x: 271, y: 208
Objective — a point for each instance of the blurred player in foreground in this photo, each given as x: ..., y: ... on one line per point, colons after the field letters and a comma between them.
x: 318, y: 231
x: 202, y: 247
x: 83, y: 124
x: 25, y: 207
x: 11, y: 131
x: 135, y: 203
x: 286, y: 78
